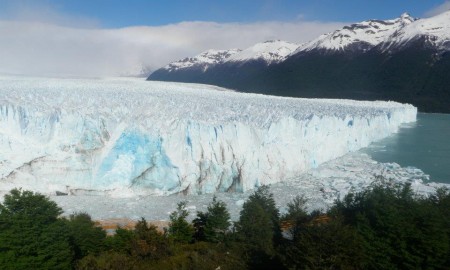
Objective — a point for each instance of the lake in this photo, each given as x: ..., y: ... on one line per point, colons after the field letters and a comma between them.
x: 424, y: 144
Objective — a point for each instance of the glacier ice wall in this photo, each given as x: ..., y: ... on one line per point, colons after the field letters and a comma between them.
x: 126, y: 136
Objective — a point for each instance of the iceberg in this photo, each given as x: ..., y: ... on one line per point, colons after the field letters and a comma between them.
x: 126, y: 137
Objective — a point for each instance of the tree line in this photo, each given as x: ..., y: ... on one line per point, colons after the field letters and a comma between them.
x: 383, y: 227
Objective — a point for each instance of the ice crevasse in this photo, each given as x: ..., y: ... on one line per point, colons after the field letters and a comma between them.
x: 127, y: 136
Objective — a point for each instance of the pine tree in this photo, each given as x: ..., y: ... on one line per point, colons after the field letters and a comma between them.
x: 258, y: 224
x: 179, y: 229
x: 296, y: 215
x: 217, y: 221
x: 199, y: 224
x: 255, y: 228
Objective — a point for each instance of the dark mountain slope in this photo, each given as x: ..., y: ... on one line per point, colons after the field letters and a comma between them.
x: 404, y: 60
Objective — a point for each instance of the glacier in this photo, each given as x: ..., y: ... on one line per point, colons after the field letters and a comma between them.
x: 126, y: 137
x: 321, y: 186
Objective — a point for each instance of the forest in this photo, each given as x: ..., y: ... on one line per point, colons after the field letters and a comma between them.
x: 385, y: 226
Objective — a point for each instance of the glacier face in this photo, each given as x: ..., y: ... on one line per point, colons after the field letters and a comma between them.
x: 354, y: 172
x: 127, y: 136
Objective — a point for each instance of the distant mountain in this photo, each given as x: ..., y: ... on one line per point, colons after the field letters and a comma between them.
x: 273, y: 51
x: 202, y: 61
x: 358, y: 37
x: 404, y: 59
x: 201, y: 67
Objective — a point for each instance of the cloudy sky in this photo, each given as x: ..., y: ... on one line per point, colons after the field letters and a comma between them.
x: 115, y: 37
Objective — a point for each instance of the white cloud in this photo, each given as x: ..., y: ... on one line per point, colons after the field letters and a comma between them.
x: 38, y: 40
x: 438, y: 9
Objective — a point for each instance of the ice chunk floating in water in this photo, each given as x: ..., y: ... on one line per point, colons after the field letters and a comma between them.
x: 126, y: 136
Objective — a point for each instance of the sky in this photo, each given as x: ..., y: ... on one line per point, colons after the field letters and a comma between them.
x: 116, y: 37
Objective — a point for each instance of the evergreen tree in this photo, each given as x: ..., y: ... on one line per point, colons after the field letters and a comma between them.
x: 296, y: 215
x: 121, y: 241
x: 199, y: 224
x: 218, y: 221
x: 27, y: 204
x: 258, y: 224
x: 179, y: 229
x: 86, y: 238
x: 441, y: 200
x: 31, y: 235
x: 399, y: 229
x: 212, y: 225
x: 255, y: 228
x: 324, y: 245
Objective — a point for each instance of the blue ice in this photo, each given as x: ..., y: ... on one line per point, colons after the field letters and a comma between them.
x: 150, y: 166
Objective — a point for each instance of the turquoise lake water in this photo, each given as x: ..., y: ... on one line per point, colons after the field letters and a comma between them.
x: 424, y: 144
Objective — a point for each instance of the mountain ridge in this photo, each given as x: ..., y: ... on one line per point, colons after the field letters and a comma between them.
x: 403, y: 59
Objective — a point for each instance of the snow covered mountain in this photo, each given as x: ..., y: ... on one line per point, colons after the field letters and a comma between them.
x: 124, y: 136
x: 434, y: 31
x: 388, y: 34
x: 203, y: 60
x: 403, y: 59
x: 366, y: 34
x: 359, y: 36
x: 271, y: 51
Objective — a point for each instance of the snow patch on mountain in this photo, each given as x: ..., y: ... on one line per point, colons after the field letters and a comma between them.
x: 435, y: 30
x: 270, y: 51
x: 203, y: 60
x: 366, y: 34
